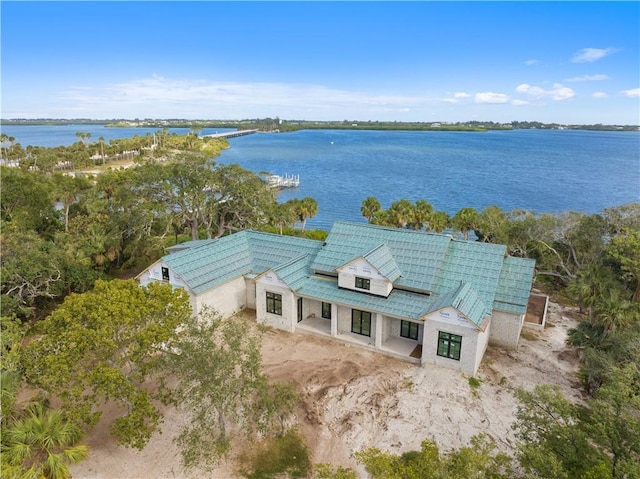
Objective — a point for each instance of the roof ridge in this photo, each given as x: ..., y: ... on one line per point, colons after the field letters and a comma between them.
x: 291, y: 262
x: 251, y: 232
x: 391, y: 229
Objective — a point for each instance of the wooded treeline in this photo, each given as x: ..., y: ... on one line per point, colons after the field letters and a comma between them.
x: 64, y: 234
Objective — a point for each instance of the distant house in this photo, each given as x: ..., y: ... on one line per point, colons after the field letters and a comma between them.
x: 426, y: 298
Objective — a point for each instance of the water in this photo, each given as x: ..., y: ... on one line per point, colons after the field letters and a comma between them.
x: 540, y: 170
x: 65, y: 135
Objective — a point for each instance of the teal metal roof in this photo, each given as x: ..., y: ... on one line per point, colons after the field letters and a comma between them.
x: 470, y: 276
x: 270, y: 250
x: 400, y: 304
x: 418, y: 255
x: 294, y: 272
x: 247, y: 252
x: 381, y: 258
x: 213, y: 263
x: 478, y: 264
x: 466, y: 300
x: 514, y: 286
x: 187, y: 245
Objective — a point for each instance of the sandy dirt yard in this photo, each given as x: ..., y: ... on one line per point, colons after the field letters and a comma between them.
x: 352, y: 398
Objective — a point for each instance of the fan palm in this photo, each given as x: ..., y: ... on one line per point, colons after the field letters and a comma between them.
x: 41, y: 445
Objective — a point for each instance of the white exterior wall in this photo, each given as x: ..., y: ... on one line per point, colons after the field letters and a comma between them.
x: 311, y: 307
x: 360, y: 267
x: 505, y: 329
x: 473, y: 341
x: 390, y: 328
x: 227, y: 299
x: 483, y: 342
x: 250, y: 286
x: 344, y: 325
x: 270, y: 282
x: 154, y: 273
x: 394, y: 329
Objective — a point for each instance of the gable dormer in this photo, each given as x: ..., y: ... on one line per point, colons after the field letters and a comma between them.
x: 373, y: 273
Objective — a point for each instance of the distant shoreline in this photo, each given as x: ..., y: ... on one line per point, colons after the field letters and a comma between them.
x: 283, y: 126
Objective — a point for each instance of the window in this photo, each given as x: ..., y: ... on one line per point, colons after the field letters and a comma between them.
x: 274, y: 303
x: 361, y: 322
x: 409, y: 330
x: 165, y: 274
x: 326, y: 310
x: 299, y: 310
x: 363, y: 283
x: 449, y: 345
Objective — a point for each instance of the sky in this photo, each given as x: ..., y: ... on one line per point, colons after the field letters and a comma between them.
x: 554, y: 62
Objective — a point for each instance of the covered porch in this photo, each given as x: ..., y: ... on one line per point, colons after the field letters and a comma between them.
x: 384, y: 333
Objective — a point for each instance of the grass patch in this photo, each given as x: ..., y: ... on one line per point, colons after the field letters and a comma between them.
x: 474, y: 382
x: 285, y: 455
x: 529, y: 336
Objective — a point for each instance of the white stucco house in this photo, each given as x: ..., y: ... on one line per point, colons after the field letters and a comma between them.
x: 426, y: 298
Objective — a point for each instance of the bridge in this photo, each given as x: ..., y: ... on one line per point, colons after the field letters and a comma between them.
x: 230, y: 134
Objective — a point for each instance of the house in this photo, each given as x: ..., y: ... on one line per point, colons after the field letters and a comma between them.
x: 426, y: 298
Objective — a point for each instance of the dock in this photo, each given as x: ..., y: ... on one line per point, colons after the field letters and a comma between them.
x: 286, y: 181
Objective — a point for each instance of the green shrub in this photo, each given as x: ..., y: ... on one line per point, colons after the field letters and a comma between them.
x: 287, y: 454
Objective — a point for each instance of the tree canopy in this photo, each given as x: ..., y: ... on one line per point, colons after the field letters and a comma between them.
x: 102, y: 345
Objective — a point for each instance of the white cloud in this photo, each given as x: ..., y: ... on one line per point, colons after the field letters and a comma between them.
x: 633, y: 93
x: 457, y: 97
x: 157, y: 97
x: 531, y: 62
x: 517, y: 102
x: 490, y: 97
x: 599, y: 95
x: 588, y: 55
x: 558, y: 92
x: 598, y: 77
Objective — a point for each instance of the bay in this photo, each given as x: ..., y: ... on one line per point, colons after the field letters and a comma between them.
x: 64, y: 135
x: 547, y: 171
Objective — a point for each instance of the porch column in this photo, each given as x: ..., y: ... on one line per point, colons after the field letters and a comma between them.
x: 378, y: 331
x: 334, y: 319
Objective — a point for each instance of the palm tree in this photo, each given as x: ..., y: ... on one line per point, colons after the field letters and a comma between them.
x: 590, y: 285
x: 465, y: 220
x: 66, y: 190
x: 4, y: 138
x: 439, y: 221
x: 614, y: 312
x: 422, y: 212
x: 306, y: 208
x: 401, y: 213
x: 370, y: 206
x: 41, y: 445
x: 101, y: 140
x: 9, y: 386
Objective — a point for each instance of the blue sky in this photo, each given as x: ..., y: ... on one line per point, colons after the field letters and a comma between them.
x: 564, y: 62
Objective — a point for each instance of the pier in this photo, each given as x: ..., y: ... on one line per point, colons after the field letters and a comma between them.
x: 286, y: 181
x: 230, y: 134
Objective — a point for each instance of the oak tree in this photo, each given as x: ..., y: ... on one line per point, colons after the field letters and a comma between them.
x: 103, y: 345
